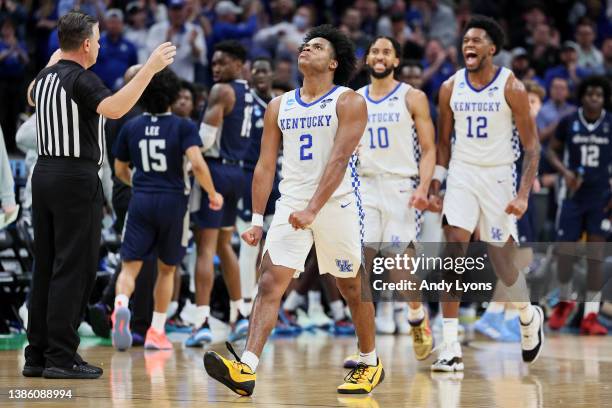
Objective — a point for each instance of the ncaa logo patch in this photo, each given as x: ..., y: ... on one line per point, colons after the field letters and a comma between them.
x: 344, y: 265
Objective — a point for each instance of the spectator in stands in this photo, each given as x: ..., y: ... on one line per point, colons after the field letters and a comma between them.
x: 554, y: 109
x: 411, y: 72
x: 568, y: 69
x: 368, y: 10
x: 588, y: 55
x: 95, y: 8
x: 13, y: 61
x: 284, y: 72
x: 15, y: 11
x: 285, y: 38
x: 227, y: 26
x: 188, y: 37
x: 351, y: 24
x: 440, y: 22
x: 116, y: 53
x: 520, y: 65
x: 543, y: 53
x: 437, y: 67
x: 137, y: 30
x: 7, y: 184
x: 606, y: 50
x: 45, y: 19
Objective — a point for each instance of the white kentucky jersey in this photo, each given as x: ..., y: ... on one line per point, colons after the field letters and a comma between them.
x: 389, y: 144
x: 309, y: 131
x: 484, y: 127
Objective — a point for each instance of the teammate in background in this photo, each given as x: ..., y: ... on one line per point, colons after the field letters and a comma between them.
x: 262, y: 73
x: 482, y: 103
x: 397, y: 157
x: 225, y: 133
x: 319, y: 126
x: 157, y: 221
x: 584, y: 140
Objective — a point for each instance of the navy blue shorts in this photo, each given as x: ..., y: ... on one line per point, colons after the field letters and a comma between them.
x: 229, y: 182
x: 583, y: 214
x: 246, y: 205
x: 157, y: 225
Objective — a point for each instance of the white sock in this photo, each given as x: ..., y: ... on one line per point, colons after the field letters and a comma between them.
x: 565, y: 291
x: 250, y: 359
x: 591, y: 303
x: 235, y: 306
x: 368, y: 358
x: 172, y: 308
x: 159, y: 322
x: 293, y: 301
x: 121, y: 301
x: 314, y: 297
x: 337, y: 309
x: 510, y: 313
x: 495, y: 307
x: 246, y: 307
x: 202, y: 313
x: 450, y: 329
x: 416, y: 315
x: 526, y: 311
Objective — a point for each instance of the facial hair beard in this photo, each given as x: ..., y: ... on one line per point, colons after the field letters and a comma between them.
x: 380, y: 75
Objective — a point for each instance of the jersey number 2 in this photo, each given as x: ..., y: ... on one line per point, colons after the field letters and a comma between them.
x: 151, y: 153
x: 306, y: 140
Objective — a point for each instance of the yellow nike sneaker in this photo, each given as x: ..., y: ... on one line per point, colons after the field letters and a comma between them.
x: 351, y: 361
x: 234, y: 374
x: 362, y: 379
x: 422, y: 339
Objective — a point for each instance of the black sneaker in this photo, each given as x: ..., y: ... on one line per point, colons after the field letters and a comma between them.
x: 79, y: 361
x: 99, y: 316
x: 32, y: 370
x: 83, y: 371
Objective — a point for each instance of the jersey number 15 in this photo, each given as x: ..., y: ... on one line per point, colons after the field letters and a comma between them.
x: 152, y: 155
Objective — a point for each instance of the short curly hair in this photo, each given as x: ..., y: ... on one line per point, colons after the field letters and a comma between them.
x: 491, y: 27
x: 232, y: 48
x: 344, y: 51
x: 161, y: 93
x: 595, y: 81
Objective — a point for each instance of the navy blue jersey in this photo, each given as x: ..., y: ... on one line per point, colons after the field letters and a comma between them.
x: 233, y: 140
x: 588, y: 149
x: 156, y: 145
x: 257, y: 125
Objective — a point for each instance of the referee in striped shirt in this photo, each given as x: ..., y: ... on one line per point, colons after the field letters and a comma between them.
x: 71, y: 106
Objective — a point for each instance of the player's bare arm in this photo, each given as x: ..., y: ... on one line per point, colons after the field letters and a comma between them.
x: 553, y: 154
x: 418, y: 105
x: 202, y: 174
x: 220, y: 102
x: 123, y: 172
x: 352, y: 120
x: 446, y: 123
x: 517, y: 99
x: 263, y: 177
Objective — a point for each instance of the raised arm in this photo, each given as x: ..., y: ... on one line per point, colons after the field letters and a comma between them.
x: 265, y: 170
x: 418, y: 105
x: 221, y: 100
x: 118, y: 104
x: 352, y: 120
x: 516, y: 95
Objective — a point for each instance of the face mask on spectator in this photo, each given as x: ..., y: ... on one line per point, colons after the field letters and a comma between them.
x: 300, y: 22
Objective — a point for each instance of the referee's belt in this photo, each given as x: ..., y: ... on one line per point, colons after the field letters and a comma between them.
x: 228, y: 162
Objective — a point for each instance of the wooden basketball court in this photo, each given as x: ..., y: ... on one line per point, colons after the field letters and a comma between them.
x: 304, y: 372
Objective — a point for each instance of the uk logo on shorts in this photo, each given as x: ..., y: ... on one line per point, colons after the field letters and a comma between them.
x: 496, y: 233
x: 344, y: 265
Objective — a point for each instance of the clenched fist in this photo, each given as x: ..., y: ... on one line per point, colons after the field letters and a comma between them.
x: 253, y: 235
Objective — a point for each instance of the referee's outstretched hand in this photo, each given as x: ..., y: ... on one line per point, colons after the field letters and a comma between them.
x: 161, y: 57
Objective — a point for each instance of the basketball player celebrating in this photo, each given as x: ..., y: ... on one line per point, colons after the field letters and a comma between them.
x: 225, y: 131
x: 157, y: 221
x: 319, y: 126
x: 262, y: 74
x: 396, y: 152
x: 584, y: 140
x: 480, y: 103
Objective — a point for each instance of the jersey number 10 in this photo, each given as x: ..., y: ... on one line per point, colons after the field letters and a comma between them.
x: 152, y: 155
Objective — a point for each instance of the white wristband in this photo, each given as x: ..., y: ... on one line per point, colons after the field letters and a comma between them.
x: 257, y: 220
x: 440, y: 173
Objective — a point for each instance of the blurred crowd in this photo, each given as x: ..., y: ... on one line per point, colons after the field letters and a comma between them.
x: 555, y: 43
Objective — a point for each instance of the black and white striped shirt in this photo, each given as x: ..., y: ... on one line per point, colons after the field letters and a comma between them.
x: 66, y: 96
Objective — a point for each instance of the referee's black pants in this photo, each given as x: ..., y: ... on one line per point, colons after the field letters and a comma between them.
x: 67, y: 201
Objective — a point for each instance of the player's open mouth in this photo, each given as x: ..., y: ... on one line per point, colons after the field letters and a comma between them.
x: 470, y: 57
x: 379, y: 66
